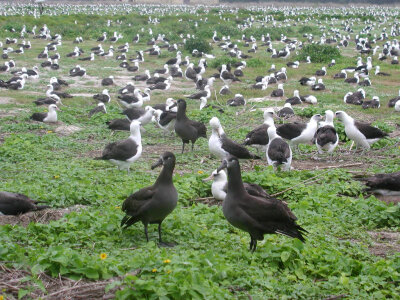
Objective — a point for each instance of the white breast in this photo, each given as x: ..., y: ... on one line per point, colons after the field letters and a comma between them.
x: 51, y: 117
x: 354, y: 134
x: 217, y: 190
x: 215, y: 146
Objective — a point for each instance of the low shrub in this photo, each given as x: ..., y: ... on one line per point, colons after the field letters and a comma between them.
x: 215, y: 63
x: 199, y: 44
x: 319, y: 53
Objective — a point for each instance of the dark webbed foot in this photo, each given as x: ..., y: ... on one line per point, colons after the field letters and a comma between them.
x: 166, y: 245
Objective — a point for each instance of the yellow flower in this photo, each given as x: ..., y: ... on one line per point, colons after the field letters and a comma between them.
x: 169, y: 271
x: 167, y: 261
x: 118, y: 207
x: 154, y: 270
x: 1, y: 297
x: 200, y: 172
x: 56, y: 176
x: 103, y: 256
x: 49, y: 131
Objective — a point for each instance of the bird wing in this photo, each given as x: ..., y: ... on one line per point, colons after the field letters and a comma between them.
x: 234, y: 148
x: 370, y: 132
x: 39, y: 116
x: 385, y: 181
x: 119, y: 124
x: 291, y: 130
x: 134, y: 205
x: 227, y: 75
x: 166, y: 117
x: 325, y: 135
x: 266, y: 210
x: 200, y: 127
x: 13, y: 203
x: 278, y: 150
x: 121, y: 150
x: 133, y: 113
x: 255, y: 190
x: 258, y: 136
x: 198, y: 95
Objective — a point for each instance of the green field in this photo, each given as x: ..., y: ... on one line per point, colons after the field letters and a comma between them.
x: 352, y: 248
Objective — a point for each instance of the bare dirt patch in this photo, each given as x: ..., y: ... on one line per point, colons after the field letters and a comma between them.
x: 388, y: 199
x: 83, y: 95
x: 263, y: 99
x: 11, y: 281
x: 6, y: 100
x: 42, y: 216
x: 12, y: 112
x: 385, y: 243
x: 67, y: 130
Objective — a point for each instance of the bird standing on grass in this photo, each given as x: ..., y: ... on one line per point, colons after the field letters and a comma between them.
x: 361, y: 133
x: 151, y: 205
x: 188, y: 130
x: 326, y: 137
x: 124, y: 153
x: 256, y: 215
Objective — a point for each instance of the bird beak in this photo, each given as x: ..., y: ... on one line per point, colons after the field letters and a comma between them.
x: 211, y: 177
x: 223, y: 165
x: 58, y: 108
x: 173, y: 105
x: 157, y: 164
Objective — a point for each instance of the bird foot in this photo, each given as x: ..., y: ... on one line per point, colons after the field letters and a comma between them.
x: 166, y: 245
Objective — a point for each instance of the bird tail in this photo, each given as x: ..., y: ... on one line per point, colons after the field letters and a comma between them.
x: 41, y: 207
x: 128, y: 221
x: 296, y: 232
x: 281, y: 159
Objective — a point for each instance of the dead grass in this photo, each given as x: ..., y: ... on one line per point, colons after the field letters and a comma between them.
x: 12, y: 281
x: 384, y: 243
x: 42, y: 216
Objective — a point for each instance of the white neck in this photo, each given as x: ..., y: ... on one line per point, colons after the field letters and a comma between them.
x: 136, y: 136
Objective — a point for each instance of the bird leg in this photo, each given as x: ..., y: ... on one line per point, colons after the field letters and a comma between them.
x: 159, y: 233
x: 161, y: 243
x: 253, y: 244
x: 351, y: 146
x: 192, y: 146
x: 146, y: 233
x: 183, y: 147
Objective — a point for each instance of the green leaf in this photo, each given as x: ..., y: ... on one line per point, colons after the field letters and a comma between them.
x: 22, y: 293
x: 285, y: 256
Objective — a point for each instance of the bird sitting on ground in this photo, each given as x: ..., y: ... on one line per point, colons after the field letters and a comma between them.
x: 219, y: 186
x: 16, y: 204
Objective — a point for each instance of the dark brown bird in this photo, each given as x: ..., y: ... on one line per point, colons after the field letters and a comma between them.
x: 15, y: 204
x: 151, y: 205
